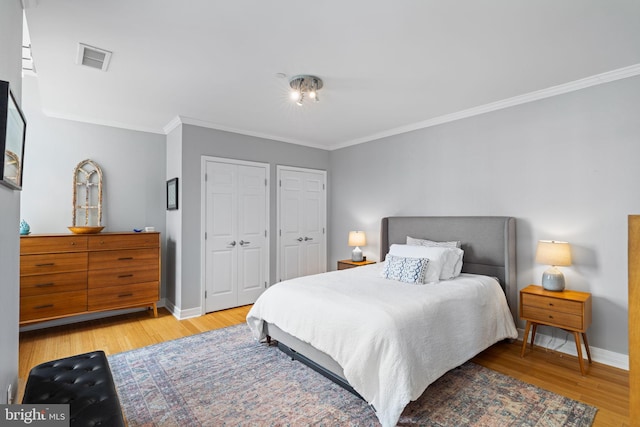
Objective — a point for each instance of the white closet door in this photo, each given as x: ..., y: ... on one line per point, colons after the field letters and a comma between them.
x: 236, y: 243
x: 221, y: 236
x: 302, y: 222
x: 252, y: 243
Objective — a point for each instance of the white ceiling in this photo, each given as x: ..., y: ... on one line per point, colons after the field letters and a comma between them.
x: 388, y: 66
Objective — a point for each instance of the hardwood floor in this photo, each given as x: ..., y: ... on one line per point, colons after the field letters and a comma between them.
x: 605, y: 387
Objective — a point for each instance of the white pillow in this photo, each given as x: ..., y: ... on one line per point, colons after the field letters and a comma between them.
x: 445, y: 263
x: 425, y: 242
x: 434, y: 266
x: 408, y: 270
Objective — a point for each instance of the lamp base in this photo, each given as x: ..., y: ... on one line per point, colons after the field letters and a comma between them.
x: 356, y: 255
x: 553, y: 280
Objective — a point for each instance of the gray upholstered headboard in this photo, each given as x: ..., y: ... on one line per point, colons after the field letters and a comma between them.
x: 489, y: 243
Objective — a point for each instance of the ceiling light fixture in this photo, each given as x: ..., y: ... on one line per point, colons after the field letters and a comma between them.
x: 304, y: 86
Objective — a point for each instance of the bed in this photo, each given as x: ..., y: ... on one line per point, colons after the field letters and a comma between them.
x: 385, y: 340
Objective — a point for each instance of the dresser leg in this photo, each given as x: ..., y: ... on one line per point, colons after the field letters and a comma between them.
x: 576, y: 336
x: 155, y: 310
x: 586, y: 346
x: 534, y: 329
x: 525, y: 338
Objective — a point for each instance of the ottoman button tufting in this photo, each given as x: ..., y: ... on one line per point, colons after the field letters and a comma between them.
x: 93, y: 402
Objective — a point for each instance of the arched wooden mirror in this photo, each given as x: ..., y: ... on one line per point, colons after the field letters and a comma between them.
x: 87, y: 198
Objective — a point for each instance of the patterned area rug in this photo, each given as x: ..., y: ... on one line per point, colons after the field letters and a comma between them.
x: 224, y: 377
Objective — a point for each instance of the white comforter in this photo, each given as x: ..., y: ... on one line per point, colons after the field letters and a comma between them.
x: 392, y: 339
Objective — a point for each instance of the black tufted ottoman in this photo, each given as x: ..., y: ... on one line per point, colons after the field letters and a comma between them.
x: 84, y: 382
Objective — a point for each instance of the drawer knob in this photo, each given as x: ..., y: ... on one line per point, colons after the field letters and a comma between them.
x: 550, y: 317
x: 125, y: 258
x: 122, y: 276
x: 73, y: 243
x: 43, y: 306
x: 125, y: 295
x: 47, y: 264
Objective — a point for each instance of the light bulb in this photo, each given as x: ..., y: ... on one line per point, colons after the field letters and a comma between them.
x: 300, y: 99
x: 312, y: 94
x: 295, y: 94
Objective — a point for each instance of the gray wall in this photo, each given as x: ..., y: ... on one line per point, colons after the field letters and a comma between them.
x: 566, y: 167
x: 10, y: 70
x: 198, y: 141
x: 132, y: 162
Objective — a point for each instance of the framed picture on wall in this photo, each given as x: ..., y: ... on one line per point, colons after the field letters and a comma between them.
x: 12, y: 137
x: 172, y: 194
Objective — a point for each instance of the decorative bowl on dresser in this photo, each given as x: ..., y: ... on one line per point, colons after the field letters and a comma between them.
x: 64, y: 275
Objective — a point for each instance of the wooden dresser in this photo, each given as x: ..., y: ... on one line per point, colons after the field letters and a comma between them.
x: 65, y: 275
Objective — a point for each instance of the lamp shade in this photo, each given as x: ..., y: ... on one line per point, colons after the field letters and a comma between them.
x: 552, y: 252
x: 357, y: 238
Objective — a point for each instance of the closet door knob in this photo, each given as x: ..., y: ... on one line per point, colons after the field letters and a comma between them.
x: 299, y: 239
x: 242, y: 243
x: 232, y: 243
x: 307, y: 238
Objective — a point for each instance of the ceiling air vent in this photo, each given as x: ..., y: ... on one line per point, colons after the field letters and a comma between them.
x: 93, y: 57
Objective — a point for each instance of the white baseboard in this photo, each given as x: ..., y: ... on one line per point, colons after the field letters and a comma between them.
x: 183, y: 314
x: 563, y: 342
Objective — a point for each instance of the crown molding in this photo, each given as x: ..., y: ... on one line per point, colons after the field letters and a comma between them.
x: 609, y: 76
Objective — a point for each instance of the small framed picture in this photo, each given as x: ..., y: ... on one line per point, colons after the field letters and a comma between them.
x: 172, y: 194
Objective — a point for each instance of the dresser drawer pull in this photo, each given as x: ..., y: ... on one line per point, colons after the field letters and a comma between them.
x: 44, y: 285
x: 43, y: 306
x: 125, y: 258
x: 122, y: 276
x: 47, y: 264
x: 125, y: 295
x: 550, y: 317
x: 550, y: 304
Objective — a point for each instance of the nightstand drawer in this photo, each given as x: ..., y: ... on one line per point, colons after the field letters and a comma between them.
x: 551, y: 317
x: 556, y: 304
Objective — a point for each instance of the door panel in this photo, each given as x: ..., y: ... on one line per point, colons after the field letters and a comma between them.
x: 236, y: 248
x: 251, y: 232
x: 302, y: 222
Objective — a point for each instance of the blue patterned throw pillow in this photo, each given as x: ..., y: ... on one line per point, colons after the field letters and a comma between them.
x: 408, y: 270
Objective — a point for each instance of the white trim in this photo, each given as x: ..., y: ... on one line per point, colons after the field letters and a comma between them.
x: 101, y: 122
x: 203, y: 221
x: 184, y: 314
x: 566, y: 344
x: 609, y: 76
x: 174, y: 123
x: 206, y: 124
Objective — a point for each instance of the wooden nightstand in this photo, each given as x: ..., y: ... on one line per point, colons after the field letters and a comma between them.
x: 343, y: 264
x: 568, y: 310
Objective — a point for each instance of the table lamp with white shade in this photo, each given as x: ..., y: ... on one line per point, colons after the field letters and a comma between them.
x: 357, y: 239
x: 553, y: 253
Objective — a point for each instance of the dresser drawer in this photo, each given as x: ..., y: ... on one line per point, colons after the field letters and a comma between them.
x: 561, y: 305
x: 131, y: 258
x: 43, y: 284
x: 52, y: 263
x: 52, y: 305
x: 123, y: 296
x: 47, y: 244
x: 122, y: 276
x: 124, y: 241
x: 553, y: 318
